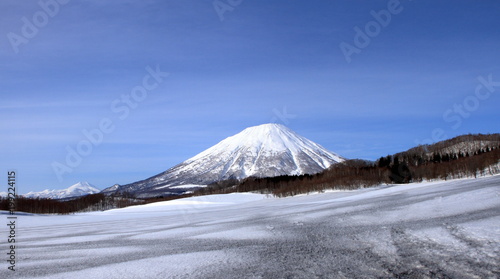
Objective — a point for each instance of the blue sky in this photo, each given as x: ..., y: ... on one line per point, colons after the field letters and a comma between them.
x: 417, y: 79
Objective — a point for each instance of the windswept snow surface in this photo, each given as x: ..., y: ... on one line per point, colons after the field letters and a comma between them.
x: 429, y: 230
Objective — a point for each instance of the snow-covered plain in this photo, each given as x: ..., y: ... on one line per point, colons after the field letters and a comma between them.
x: 429, y: 230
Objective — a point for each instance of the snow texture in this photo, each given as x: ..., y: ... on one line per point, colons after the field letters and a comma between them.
x: 76, y: 190
x: 263, y: 151
x: 446, y: 229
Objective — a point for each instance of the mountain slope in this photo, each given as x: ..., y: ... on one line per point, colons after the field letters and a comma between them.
x: 76, y: 190
x: 263, y: 151
x: 464, y: 144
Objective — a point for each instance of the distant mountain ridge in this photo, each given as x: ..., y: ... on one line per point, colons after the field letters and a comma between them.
x: 76, y: 190
x: 263, y: 151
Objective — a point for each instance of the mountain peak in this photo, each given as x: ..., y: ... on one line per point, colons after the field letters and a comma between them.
x: 273, y: 138
x: 265, y: 129
x: 81, y: 185
x: 265, y: 133
x: 264, y: 151
x: 268, y: 127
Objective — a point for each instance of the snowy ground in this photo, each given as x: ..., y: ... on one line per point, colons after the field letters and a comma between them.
x: 429, y: 230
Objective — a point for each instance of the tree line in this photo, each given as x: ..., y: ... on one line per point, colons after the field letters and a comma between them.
x: 88, y: 203
x: 93, y: 202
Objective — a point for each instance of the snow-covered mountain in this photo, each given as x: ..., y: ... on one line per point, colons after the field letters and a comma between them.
x: 76, y: 190
x: 262, y: 151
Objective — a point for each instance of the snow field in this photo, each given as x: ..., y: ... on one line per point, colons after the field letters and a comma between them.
x: 426, y: 230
